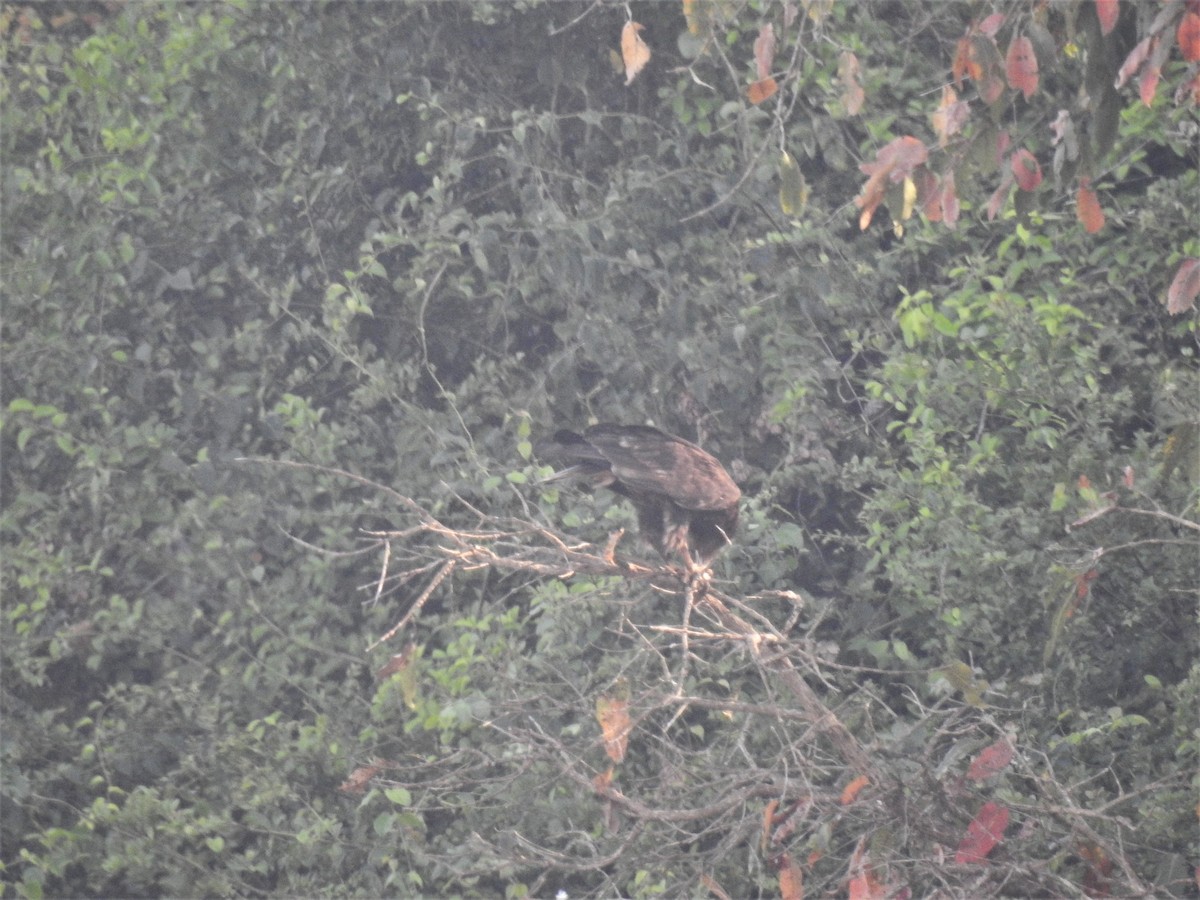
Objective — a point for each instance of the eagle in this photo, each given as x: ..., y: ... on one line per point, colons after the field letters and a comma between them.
x: 687, y: 505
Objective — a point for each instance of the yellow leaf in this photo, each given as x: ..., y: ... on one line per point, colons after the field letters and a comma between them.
x: 910, y: 199
x: 793, y: 192
x: 817, y: 10
x: 689, y: 14
x: 634, y: 52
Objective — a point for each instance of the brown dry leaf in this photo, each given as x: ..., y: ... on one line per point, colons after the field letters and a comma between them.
x: 853, y: 95
x: 764, y: 51
x: 950, y: 116
x: 360, y: 778
x: 761, y: 90
x: 950, y: 206
x: 791, y: 879
x: 1099, y: 867
x: 850, y: 791
x: 613, y: 715
x: 1185, y: 287
x: 634, y: 51
x: 768, y: 822
x: 1087, y: 207
x: 789, y: 819
x: 601, y: 782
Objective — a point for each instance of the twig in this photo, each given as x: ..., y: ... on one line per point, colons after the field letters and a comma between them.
x: 442, y: 574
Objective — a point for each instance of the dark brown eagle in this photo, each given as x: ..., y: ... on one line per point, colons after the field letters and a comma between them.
x: 687, y: 505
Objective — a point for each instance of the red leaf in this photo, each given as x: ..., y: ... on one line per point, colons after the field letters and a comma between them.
x: 761, y: 90
x: 1026, y: 170
x: 1134, y: 60
x: 983, y: 65
x: 1188, y: 36
x: 1107, y: 12
x: 898, y: 158
x: 996, y: 201
x: 1185, y: 287
x: 1083, y: 581
x: 1087, y: 207
x: 929, y: 195
x: 863, y: 885
x: 1022, y: 67
x: 962, y: 57
x: 764, y: 51
x: 991, y: 24
x: 1148, y: 82
x: 991, y: 760
x: 895, y: 162
x: 985, y: 832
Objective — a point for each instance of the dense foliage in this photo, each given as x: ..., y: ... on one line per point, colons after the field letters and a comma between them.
x: 393, y: 244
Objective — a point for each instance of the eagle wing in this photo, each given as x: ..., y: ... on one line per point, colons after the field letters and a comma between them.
x: 648, y: 461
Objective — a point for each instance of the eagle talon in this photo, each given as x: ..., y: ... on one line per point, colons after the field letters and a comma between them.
x: 610, y: 548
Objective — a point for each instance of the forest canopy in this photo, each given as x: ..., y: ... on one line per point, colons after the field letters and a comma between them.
x: 292, y: 290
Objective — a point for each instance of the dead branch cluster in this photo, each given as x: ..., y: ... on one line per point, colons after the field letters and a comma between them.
x: 723, y: 806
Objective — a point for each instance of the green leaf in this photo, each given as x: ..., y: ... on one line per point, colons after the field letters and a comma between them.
x: 398, y: 795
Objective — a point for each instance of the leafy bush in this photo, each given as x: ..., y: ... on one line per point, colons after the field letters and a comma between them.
x: 289, y: 294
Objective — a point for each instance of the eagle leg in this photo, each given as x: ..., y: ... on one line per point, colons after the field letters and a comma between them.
x: 610, y: 547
